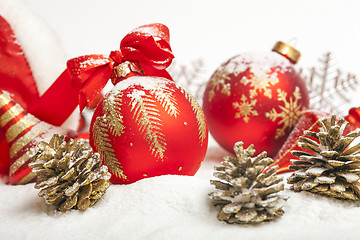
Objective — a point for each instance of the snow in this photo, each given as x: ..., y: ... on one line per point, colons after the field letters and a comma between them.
x: 178, y: 207
x: 169, y: 207
x: 260, y: 62
x: 146, y: 83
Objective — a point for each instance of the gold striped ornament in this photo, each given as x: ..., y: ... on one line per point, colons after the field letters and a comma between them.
x: 23, y: 132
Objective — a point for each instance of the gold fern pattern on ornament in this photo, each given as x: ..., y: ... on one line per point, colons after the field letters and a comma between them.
x: 166, y: 98
x: 289, y: 113
x: 146, y: 115
x: 245, y: 108
x: 200, y: 117
x: 219, y: 82
x: 105, y: 148
x: 113, y: 116
x: 260, y: 82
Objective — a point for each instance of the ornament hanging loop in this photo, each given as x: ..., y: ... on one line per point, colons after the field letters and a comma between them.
x: 122, y: 70
x: 125, y: 70
x: 287, y: 51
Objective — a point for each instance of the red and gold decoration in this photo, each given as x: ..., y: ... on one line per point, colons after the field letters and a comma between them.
x: 144, y: 51
x: 17, y: 76
x: 309, y: 121
x: 149, y: 126
x: 354, y: 118
x: 18, y: 79
x: 256, y: 98
x: 23, y: 132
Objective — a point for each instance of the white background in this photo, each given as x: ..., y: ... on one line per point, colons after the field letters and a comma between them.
x: 211, y: 30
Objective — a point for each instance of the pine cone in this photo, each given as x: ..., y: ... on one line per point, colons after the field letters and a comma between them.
x: 331, y: 168
x: 69, y: 174
x: 245, y: 193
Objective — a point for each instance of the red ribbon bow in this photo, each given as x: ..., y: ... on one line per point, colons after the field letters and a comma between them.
x: 144, y: 51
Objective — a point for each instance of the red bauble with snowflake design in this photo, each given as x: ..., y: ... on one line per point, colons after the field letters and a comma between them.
x: 256, y: 98
x: 149, y: 126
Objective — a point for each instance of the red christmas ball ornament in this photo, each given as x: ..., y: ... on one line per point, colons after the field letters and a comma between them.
x: 256, y: 98
x: 149, y: 126
x: 353, y: 118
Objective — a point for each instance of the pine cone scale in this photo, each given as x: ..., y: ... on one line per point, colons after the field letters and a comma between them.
x: 83, y: 204
x: 356, y: 187
x: 68, y: 204
x: 297, y: 185
x: 49, y: 182
x: 100, y: 185
x: 316, y: 171
x: 247, y: 215
x: 232, y: 208
x: 55, y: 198
x: 309, y: 184
x: 354, y: 134
x: 325, y: 180
x: 329, y: 154
x: 349, y: 158
x: 349, y: 177
x: 342, y: 144
x: 269, y: 202
x: 321, y: 188
x: 336, y: 163
x: 85, y: 191
x: 300, y: 173
x: 338, y: 187
x: 71, y: 190
x: 69, y: 175
x: 309, y: 147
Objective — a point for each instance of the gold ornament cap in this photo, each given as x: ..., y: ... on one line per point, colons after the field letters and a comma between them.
x: 288, y: 51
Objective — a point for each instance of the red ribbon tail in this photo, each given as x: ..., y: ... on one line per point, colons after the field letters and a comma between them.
x: 150, y: 71
x: 93, y: 86
x: 57, y: 103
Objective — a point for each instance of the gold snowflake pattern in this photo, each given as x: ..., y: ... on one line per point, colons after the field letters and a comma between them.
x: 245, y: 108
x: 219, y: 82
x: 260, y: 81
x: 290, y: 111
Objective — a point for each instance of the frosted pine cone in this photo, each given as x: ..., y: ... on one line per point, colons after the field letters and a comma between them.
x: 69, y: 174
x: 331, y: 168
x: 245, y: 193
